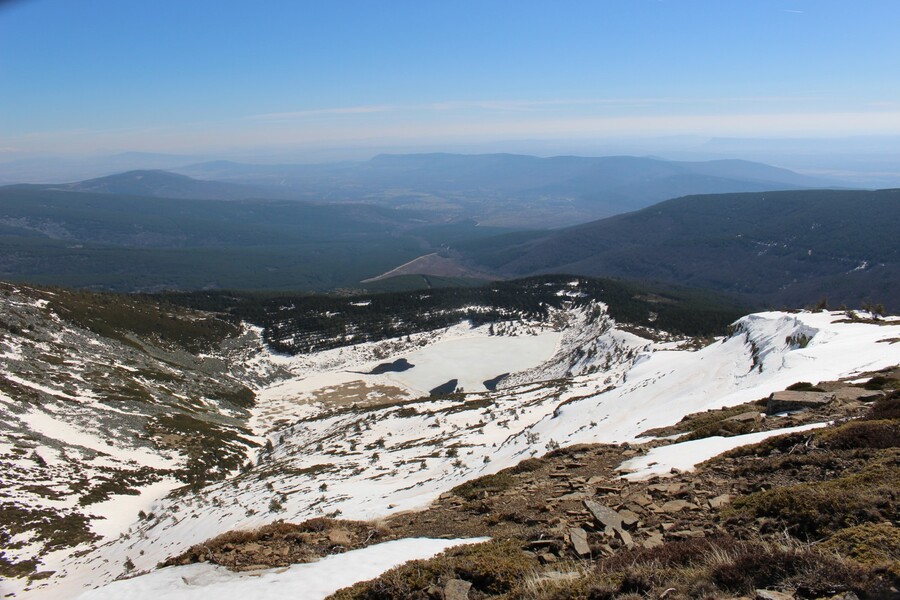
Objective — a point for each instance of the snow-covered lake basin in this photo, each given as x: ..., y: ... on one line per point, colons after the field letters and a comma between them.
x: 473, y: 360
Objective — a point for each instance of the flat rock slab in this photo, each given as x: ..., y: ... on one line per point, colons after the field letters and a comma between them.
x: 629, y: 518
x: 578, y: 538
x: 604, y: 515
x: 673, y: 506
x: 789, y: 400
x: 747, y: 417
x: 850, y: 394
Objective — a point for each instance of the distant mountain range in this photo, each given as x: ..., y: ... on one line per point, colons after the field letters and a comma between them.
x: 161, y: 184
x: 779, y: 248
x: 507, y: 189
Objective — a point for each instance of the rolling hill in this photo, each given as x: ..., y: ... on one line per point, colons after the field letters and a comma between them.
x: 161, y: 184
x: 129, y: 243
x: 777, y: 248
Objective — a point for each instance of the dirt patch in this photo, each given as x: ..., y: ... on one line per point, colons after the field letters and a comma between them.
x: 280, y: 544
x: 359, y: 393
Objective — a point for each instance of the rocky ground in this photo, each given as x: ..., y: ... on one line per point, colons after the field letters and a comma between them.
x: 807, y: 515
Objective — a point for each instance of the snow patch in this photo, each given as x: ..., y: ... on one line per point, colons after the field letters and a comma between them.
x: 309, y: 581
x: 684, y: 456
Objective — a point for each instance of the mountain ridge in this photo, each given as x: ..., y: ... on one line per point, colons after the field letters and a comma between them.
x: 791, y: 247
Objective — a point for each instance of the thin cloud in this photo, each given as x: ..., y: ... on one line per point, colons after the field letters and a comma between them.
x: 317, y: 112
x: 507, y: 106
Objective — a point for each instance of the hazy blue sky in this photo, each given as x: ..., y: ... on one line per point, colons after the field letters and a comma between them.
x: 208, y: 75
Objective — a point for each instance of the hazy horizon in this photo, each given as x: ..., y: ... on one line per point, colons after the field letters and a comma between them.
x: 333, y: 82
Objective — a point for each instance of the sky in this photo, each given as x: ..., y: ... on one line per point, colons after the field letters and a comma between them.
x: 206, y: 76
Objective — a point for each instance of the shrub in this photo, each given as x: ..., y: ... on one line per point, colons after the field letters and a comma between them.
x: 804, y: 386
x: 811, y: 510
x: 872, y: 544
x: 492, y: 568
x: 886, y: 408
x: 862, y: 434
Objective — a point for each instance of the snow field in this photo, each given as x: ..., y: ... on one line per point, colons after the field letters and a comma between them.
x: 309, y: 581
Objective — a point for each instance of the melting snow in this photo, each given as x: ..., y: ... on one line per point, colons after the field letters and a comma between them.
x: 309, y: 581
x: 684, y: 456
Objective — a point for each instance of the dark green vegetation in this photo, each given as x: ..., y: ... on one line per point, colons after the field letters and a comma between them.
x: 358, y: 221
x: 55, y: 530
x: 494, y: 569
x: 129, y: 243
x: 780, y: 248
x: 296, y: 323
x: 127, y: 318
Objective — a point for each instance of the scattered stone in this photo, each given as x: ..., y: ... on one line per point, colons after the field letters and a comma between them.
x: 559, y: 576
x: 573, y: 496
x: 640, y: 499
x: 653, y: 540
x: 671, y: 489
x: 457, y: 589
x: 689, y: 533
x: 547, y: 558
x: 578, y: 538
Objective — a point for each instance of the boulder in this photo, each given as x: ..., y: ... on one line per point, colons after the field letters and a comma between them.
x: 720, y: 501
x: 340, y: 537
x: 457, y: 589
